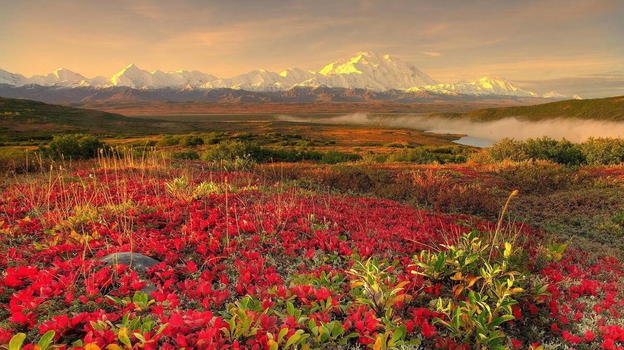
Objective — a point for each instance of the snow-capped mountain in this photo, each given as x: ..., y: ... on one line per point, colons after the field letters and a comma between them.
x: 485, y: 86
x: 257, y: 80
x: 365, y: 70
x: 60, y: 77
x: 135, y: 77
x: 11, y: 78
x: 368, y: 70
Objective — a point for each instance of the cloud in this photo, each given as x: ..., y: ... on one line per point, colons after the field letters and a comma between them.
x: 431, y: 53
x: 586, y: 85
x: 447, y: 39
x: 575, y: 130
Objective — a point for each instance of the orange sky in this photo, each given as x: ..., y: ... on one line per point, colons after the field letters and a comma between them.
x: 450, y: 39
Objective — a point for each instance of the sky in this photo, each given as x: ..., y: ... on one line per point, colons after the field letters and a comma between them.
x: 451, y: 40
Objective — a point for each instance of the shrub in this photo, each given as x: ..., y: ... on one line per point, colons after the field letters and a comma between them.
x: 290, y: 155
x: 603, y: 151
x: 231, y: 150
x: 75, y: 146
x: 18, y: 159
x: 558, y: 151
x: 482, y: 277
x: 191, y: 140
x: 431, y: 154
x: 508, y: 149
x: 185, y: 155
x: 537, y: 177
x: 169, y: 140
x: 346, y: 178
x: 441, y: 192
x: 334, y: 157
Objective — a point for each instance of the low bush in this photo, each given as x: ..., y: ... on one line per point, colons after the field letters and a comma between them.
x: 603, y: 151
x: 230, y: 150
x: 191, y: 140
x: 594, y: 151
x: 185, y: 155
x: 74, y: 146
x: 168, y: 140
x: 429, y: 155
x: 537, y: 177
x: 335, y: 157
x: 19, y: 160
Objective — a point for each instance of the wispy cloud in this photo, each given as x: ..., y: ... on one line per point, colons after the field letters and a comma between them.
x: 431, y: 53
x: 450, y: 40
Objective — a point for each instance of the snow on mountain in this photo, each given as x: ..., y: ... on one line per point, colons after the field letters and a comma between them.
x: 135, y: 77
x: 11, y: 78
x: 60, y: 77
x: 368, y: 70
x: 485, y: 86
x: 557, y: 95
x: 257, y: 80
x: 292, y: 76
x: 365, y: 70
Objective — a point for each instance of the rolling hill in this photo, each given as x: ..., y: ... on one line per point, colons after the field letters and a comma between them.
x: 610, y: 108
x: 26, y: 120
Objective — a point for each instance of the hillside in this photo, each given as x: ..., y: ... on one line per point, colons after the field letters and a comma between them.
x: 611, y: 108
x: 26, y: 119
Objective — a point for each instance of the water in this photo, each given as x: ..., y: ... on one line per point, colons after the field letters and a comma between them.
x: 475, y: 141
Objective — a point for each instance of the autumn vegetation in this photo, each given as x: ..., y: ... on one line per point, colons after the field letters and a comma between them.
x: 261, y: 246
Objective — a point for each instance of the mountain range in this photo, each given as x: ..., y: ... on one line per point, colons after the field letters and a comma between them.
x: 365, y: 70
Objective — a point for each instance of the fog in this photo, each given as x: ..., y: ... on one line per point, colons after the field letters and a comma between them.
x: 575, y: 130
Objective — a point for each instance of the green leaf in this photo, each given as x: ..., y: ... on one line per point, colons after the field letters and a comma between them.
x: 16, y: 341
x: 399, y: 334
x: 500, y: 320
x: 290, y: 308
x: 161, y: 328
x: 294, y: 338
x: 507, y: 252
x: 282, y: 334
x: 46, y: 340
x: 139, y: 336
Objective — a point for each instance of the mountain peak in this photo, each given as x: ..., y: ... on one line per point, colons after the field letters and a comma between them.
x: 370, y: 70
x: 484, y: 86
x: 363, y: 70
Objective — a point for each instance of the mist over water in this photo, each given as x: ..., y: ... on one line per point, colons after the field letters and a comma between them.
x: 480, y: 134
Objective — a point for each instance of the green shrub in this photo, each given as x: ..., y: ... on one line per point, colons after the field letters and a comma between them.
x: 558, y: 151
x: 482, y: 277
x: 508, y: 149
x: 18, y: 159
x: 185, y: 155
x: 430, y: 154
x: 191, y: 140
x: 335, y: 157
x: 169, y: 140
x: 603, y: 151
x: 231, y: 150
x: 75, y: 146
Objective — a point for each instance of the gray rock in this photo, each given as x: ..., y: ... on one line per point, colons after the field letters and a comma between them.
x: 136, y: 261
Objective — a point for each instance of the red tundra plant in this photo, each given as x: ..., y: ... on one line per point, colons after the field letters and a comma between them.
x: 244, y: 264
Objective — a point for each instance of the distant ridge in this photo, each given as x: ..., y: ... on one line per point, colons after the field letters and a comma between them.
x: 365, y: 70
x: 25, y: 120
x: 610, y: 108
x: 84, y: 95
